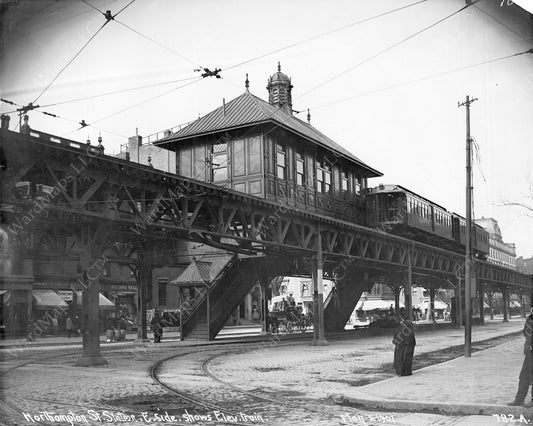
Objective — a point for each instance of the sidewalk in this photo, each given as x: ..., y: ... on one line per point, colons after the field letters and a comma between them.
x: 168, y: 336
x: 480, y: 385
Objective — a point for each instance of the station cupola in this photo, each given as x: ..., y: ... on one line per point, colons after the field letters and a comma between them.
x: 279, y: 90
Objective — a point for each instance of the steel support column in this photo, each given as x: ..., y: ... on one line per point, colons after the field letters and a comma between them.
x: 408, y: 296
x: 264, y: 305
x: 505, y: 300
x: 144, y: 279
x: 319, y: 338
x: 490, y: 293
x: 90, y: 318
x: 481, y: 293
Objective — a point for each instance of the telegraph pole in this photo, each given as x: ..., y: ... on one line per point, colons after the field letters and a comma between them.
x: 468, y: 254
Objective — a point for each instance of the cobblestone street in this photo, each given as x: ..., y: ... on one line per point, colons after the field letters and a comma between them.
x: 271, y: 382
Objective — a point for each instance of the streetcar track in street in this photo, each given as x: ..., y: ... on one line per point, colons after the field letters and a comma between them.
x: 187, y: 397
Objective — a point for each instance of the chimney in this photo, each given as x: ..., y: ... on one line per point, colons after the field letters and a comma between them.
x: 4, y: 119
x: 134, y: 143
x: 25, y: 128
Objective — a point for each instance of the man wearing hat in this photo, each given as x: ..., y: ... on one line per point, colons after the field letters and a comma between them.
x: 526, y: 374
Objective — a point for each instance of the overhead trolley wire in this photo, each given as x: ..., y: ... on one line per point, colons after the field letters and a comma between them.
x: 70, y: 62
x: 138, y: 104
x: 324, y: 34
x: 108, y: 19
x: 381, y: 52
x: 94, y: 7
x: 417, y: 80
x: 505, y: 25
x: 114, y: 92
x: 57, y: 22
x: 156, y: 42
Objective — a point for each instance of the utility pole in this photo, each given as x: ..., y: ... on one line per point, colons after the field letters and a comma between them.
x: 468, y: 254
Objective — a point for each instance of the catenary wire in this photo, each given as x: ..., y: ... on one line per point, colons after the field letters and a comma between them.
x: 381, y: 52
x: 94, y: 7
x: 138, y: 104
x: 182, y: 56
x: 394, y: 86
x: 504, y: 25
x: 70, y: 62
x: 233, y: 66
x: 114, y: 92
x: 58, y: 22
x: 82, y: 48
x: 322, y: 35
x: 156, y: 42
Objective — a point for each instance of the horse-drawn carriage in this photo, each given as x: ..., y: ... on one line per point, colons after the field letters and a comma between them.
x: 287, y: 320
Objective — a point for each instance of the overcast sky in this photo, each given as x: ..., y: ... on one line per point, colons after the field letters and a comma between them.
x: 374, y: 86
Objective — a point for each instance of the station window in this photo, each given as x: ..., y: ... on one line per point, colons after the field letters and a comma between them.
x: 344, y: 181
x: 219, y: 162
x: 198, y: 168
x: 238, y: 157
x: 185, y: 162
x: 323, y: 177
x: 254, y: 145
x: 357, y: 185
x: 280, y: 161
x: 300, y: 169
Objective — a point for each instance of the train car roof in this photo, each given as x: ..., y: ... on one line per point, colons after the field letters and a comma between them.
x: 475, y: 224
x: 398, y: 188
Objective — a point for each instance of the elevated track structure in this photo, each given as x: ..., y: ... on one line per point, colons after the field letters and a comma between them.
x: 98, y: 208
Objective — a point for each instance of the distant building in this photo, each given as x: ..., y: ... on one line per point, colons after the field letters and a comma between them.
x: 500, y: 253
x: 148, y: 154
x: 524, y: 266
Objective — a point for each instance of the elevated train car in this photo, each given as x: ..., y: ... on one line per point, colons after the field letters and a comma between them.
x: 395, y: 209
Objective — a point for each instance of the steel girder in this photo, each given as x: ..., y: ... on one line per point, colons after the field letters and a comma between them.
x: 62, y: 181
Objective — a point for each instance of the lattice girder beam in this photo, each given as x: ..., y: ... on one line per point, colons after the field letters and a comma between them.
x: 139, y: 199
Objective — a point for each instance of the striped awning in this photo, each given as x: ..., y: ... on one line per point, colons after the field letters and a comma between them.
x: 48, y: 299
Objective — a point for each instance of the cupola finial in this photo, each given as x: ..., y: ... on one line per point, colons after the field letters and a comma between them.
x: 279, y: 67
x: 308, y: 116
x: 247, y: 83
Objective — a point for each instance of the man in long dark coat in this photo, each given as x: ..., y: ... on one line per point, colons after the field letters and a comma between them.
x: 157, y: 327
x: 404, y: 342
x: 526, y: 374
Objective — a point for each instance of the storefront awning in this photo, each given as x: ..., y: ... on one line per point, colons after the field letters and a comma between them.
x: 103, y: 301
x: 48, y: 299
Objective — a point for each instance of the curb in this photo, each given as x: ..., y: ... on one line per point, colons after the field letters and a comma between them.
x: 432, y: 407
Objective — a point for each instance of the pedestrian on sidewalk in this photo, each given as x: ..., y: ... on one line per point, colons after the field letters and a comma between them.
x: 31, y: 330
x: 157, y: 327
x: 526, y: 374
x: 404, y: 345
x: 69, y: 324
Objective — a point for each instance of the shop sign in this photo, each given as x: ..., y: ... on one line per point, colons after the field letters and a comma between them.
x: 122, y: 287
x: 66, y: 295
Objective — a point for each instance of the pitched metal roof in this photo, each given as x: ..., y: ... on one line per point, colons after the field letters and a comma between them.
x: 201, y: 272
x: 247, y: 110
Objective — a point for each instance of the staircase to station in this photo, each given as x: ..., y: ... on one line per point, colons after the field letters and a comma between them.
x: 226, y: 292
x: 341, y: 302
